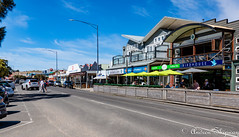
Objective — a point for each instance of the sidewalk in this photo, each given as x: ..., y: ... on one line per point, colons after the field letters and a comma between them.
x: 86, y: 89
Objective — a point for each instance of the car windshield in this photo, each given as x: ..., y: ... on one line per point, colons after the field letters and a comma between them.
x: 33, y: 80
x: 58, y: 82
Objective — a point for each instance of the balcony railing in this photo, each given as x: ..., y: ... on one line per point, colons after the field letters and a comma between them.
x: 197, y: 58
x: 117, y: 60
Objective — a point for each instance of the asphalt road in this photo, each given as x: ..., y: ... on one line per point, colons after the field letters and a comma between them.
x: 73, y: 113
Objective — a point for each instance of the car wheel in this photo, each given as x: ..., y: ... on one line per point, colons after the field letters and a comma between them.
x: 27, y: 88
x: 22, y: 88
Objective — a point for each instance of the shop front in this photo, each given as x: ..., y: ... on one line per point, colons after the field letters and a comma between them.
x: 115, y: 76
x: 138, y: 79
x: 202, y: 46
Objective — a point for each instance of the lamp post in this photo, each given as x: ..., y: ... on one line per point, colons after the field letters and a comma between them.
x: 54, y: 51
x: 95, y: 26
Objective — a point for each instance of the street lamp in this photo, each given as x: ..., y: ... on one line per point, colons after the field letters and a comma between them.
x: 54, y: 51
x: 95, y: 26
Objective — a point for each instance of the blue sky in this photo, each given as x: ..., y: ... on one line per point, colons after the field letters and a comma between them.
x: 34, y: 27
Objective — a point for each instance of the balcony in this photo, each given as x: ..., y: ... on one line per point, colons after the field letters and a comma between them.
x: 197, y: 58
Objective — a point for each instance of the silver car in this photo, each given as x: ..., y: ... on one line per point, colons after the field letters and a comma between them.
x: 10, y: 82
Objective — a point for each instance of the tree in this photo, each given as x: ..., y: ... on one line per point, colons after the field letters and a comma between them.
x: 5, y: 6
x: 5, y: 70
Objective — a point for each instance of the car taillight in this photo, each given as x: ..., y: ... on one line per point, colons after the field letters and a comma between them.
x: 29, y: 82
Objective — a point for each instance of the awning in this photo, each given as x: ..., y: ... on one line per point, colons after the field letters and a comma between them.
x: 185, y: 28
x: 100, y: 77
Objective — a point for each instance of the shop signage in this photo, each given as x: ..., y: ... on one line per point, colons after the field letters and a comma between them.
x: 201, y: 64
x: 136, y: 69
x: 168, y: 67
x: 115, y: 71
x: 73, y: 69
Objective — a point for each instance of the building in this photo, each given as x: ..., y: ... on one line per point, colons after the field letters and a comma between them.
x: 142, y: 53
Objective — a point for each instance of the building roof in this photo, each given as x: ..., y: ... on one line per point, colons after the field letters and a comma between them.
x: 185, y: 28
x: 168, y: 23
x: 136, y: 39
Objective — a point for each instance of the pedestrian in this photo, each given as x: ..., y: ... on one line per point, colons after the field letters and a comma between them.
x: 41, y: 87
x: 44, y: 86
x: 196, y: 85
x: 206, y: 85
x: 167, y: 86
x: 182, y: 83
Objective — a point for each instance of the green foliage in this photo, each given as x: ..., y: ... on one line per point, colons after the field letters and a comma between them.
x: 5, y: 6
x: 120, y: 85
x: 40, y: 76
x: 5, y: 70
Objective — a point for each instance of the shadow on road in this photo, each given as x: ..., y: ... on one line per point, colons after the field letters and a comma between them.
x: 11, y: 105
x: 33, y: 97
x: 5, y: 124
x: 12, y: 112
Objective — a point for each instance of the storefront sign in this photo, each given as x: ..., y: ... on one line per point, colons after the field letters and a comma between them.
x: 73, y: 69
x: 115, y: 72
x: 201, y: 64
x: 136, y: 69
x: 168, y: 67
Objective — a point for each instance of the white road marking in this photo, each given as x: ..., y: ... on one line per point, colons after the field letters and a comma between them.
x: 156, y: 117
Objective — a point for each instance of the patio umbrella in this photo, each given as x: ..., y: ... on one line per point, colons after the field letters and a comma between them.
x: 193, y: 70
x: 129, y: 74
x: 171, y: 72
x: 157, y: 73
x: 142, y: 74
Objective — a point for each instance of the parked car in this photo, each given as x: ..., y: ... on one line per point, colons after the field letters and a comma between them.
x: 57, y: 83
x: 3, y: 110
x: 12, y: 83
x: 50, y: 82
x: 21, y: 81
x: 7, y: 88
x: 4, y: 95
x: 68, y: 84
x: 30, y: 84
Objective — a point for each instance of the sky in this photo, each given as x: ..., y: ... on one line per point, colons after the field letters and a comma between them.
x: 35, y: 28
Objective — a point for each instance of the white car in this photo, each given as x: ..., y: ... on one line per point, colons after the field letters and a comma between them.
x: 30, y: 84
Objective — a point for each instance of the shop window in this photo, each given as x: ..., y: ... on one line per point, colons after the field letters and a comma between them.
x: 237, y: 87
x: 237, y: 79
x: 237, y: 70
x: 216, y: 44
x: 203, y: 48
x: 237, y: 40
x: 187, y: 51
x: 237, y: 49
x: 237, y: 56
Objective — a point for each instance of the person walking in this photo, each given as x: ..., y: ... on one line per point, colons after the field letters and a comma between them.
x: 41, y: 87
x: 44, y: 86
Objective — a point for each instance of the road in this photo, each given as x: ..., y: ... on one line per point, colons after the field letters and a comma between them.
x: 74, y: 113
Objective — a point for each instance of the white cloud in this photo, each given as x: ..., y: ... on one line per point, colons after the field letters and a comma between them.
x: 140, y: 11
x: 27, y: 41
x: 75, y: 6
x: 228, y: 9
x: 80, y: 51
x: 17, y: 20
x: 194, y: 9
